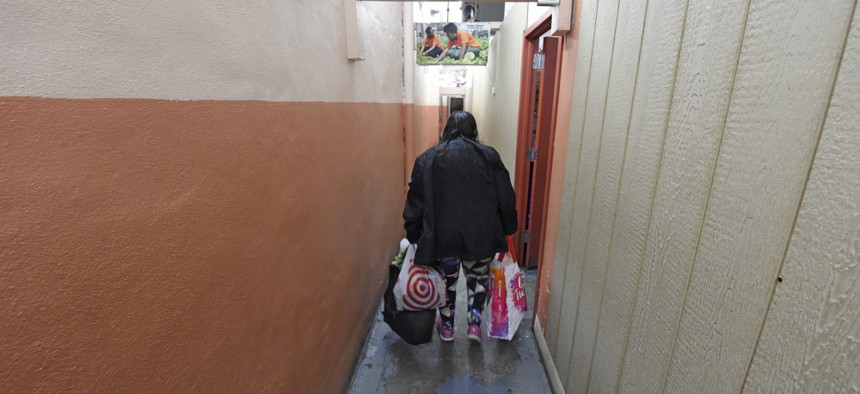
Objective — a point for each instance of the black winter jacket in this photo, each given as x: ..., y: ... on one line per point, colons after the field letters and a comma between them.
x: 460, y: 203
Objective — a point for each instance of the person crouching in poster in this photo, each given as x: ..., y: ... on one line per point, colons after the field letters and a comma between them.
x: 459, y: 43
x: 430, y: 45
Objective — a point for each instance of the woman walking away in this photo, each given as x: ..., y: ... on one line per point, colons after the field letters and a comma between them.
x: 459, y: 208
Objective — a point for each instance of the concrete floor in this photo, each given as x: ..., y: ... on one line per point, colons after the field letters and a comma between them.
x: 389, y: 365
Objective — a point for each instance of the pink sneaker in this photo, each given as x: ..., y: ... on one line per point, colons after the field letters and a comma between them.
x: 474, y: 332
x: 446, y: 334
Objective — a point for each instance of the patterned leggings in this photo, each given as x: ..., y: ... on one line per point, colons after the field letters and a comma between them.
x: 476, y: 283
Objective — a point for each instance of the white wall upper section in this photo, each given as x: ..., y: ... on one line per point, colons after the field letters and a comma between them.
x: 426, y: 84
x: 408, y: 54
x: 286, y: 50
x: 535, y: 12
x: 497, y: 113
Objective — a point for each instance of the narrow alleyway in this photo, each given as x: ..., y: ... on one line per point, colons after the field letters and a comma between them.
x: 389, y: 365
x: 200, y: 198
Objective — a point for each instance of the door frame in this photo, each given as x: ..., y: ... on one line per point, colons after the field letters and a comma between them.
x: 546, y: 121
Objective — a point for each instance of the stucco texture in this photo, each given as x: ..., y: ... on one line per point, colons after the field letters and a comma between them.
x: 427, y: 128
x: 251, y: 50
x: 207, y: 246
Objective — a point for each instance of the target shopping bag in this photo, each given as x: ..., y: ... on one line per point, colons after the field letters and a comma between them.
x: 507, y: 295
x: 418, y: 287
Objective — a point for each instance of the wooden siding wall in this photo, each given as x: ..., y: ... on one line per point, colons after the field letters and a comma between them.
x: 710, y: 230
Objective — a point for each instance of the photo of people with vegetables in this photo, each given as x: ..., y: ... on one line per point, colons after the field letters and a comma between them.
x: 452, y: 43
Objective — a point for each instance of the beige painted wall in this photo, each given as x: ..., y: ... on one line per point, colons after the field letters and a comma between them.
x: 426, y: 90
x: 709, y: 233
x: 193, y: 50
x: 497, y: 114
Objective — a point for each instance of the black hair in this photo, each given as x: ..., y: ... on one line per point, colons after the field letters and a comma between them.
x: 450, y: 28
x: 460, y: 124
x: 428, y: 31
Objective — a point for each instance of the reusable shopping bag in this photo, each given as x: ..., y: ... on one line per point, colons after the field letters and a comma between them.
x: 418, y: 287
x: 414, y: 328
x: 507, y: 295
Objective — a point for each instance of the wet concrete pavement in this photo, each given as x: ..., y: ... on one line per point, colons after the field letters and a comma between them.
x: 389, y: 365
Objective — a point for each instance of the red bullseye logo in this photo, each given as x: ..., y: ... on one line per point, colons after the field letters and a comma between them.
x: 420, y: 290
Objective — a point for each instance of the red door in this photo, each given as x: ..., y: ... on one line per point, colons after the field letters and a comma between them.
x: 538, y: 108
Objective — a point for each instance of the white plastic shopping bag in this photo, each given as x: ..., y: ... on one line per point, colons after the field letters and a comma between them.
x: 418, y: 287
x: 507, y: 302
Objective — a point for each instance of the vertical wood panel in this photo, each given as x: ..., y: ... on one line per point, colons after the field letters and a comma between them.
x: 709, y: 52
x: 782, y: 87
x: 595, y: 106
x: 622, y: 80
x: 561, y: 267
x: 661, y: 43
x: 810, y: 338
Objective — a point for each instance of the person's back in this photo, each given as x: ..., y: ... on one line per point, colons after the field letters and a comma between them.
x: 458, y: 210
x: 460, y: 202
x: 468, y: 225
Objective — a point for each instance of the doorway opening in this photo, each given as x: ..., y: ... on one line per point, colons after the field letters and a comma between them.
x: 449, y: 104
x: 455, y: 104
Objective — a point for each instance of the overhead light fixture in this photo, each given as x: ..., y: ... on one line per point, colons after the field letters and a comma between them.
x: 548, y: 3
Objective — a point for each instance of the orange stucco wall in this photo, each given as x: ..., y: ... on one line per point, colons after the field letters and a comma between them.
x: 425, y: 131
x: 206, y: 246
